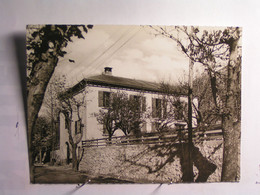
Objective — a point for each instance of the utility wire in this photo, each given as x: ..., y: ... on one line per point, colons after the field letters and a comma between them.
x: 101, y: 46
x: 92, y: 63
x: 109, y: 58
x: 104, y: 52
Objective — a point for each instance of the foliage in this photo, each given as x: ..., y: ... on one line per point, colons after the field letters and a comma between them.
x: 125, y: 114
x: 70, y: 104
x: 219, y: 51
x: 42, y: 135
x: 45, y: 44
x: 51, y: 102
x: 209, y: 47
x: 46, y: 41
x: 206, y: 112
x: 173, y: 110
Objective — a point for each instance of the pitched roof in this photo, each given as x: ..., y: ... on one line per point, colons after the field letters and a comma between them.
x: 121, y: 82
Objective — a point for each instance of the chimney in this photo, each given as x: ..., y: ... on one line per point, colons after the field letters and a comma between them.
x: 108, y: 71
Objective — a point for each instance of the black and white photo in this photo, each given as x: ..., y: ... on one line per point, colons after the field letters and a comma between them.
x: 133, y: 104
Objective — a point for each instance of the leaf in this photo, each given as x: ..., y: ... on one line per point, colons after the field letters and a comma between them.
x: 90, y: 26
x: 62, y: 53
x: 34, y: 34
x: 85, y: 29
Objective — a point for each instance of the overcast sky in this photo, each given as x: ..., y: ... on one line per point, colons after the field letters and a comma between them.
x: 132, y: 51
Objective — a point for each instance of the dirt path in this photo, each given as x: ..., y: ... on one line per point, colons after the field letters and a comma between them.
x: 59, y: 174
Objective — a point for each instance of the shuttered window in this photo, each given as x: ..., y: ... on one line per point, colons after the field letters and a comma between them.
x: 164, y: 108
x: 143, y: 103
x: 156, y: 108
x: 159, y: 108
x: 141, y: 100
x: 100, y: 99
x: 104, y: 98
x: 77, y: 127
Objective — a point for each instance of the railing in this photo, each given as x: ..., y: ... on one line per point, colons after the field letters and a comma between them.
x: 155, y: 138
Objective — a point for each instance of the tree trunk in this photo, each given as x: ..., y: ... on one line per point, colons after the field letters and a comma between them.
x: 231, y: 120
x: 74, y: 157
x: 35, y: 95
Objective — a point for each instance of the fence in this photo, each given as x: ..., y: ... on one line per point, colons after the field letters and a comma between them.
x: 155, y: 138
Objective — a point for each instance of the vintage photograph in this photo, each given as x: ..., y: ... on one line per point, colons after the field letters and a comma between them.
x: 133, y: 104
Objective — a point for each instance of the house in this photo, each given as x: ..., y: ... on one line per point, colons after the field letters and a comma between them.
x: 98, y: 91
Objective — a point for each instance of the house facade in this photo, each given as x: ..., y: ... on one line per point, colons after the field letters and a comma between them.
x: 98, y: 91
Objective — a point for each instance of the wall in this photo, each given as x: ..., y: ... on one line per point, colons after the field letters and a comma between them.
x: 152, y: 163
x: 95, y: 130
x: 92, y: 129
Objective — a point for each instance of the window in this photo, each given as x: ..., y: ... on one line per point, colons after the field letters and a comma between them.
x: 104, y: 98
x: 156, y: 108
x: 140, y: 101
x: 179, y: 109
x: 159, y: 108
x: 77, y: 127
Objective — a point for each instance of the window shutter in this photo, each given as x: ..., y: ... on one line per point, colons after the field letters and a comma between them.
x: 164, y: 108
x: 106, y: 99
x: 143, y: 103
x: 100, y: 99
x: 158, y: 108
x: 76, y: 127
x: 153, y: 107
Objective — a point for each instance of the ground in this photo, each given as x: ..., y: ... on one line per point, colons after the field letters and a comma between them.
x: 64, y: 174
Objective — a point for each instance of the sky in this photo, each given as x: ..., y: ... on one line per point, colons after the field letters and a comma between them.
x: 132, y: 51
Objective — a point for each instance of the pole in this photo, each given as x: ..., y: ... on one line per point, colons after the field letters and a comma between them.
x: 190, y: 143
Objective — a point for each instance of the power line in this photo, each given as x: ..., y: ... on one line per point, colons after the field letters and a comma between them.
x: 104, y: 52
x: 116, y: 51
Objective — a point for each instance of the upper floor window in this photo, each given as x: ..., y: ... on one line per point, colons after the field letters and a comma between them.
x: 140, y: 101
x: 159, y: 108
x: 104, y: 98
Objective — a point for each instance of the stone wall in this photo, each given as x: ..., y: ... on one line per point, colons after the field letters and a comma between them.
x: 162, y: 163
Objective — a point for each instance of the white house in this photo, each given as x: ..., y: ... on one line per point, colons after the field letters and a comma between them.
x: 98, y: 90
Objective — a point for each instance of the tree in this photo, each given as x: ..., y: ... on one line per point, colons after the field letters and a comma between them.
x: 214, y: 49
x: 51, y: 107
x: 123, y: 113
x: 207, y: 114
x: 72, y: 106
x: 42, y: 137
x: 45, y: 44
x: 171, y: 108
